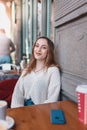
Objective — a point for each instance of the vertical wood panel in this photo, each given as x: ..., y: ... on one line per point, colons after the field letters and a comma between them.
x: 71, y: 44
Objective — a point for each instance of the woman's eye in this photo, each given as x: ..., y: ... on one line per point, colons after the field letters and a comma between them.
x: 36, y: 45
x: 44, y: 48
x: 41, y: 47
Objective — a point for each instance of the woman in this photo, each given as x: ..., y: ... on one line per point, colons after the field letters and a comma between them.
x: 40, y: 81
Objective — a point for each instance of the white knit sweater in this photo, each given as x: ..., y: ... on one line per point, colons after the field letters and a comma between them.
x: 42, y: 87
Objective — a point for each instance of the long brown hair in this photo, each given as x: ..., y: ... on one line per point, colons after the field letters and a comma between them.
x: 50, y: 61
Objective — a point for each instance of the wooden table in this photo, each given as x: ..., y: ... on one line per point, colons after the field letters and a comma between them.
x: 37, y: 117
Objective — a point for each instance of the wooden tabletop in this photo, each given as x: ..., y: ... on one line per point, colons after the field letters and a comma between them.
x: 37, y: 117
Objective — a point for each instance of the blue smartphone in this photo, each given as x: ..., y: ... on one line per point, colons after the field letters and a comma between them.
x: 57, y: 116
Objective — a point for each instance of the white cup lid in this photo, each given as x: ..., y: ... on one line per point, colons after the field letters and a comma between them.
x: 82, y: 88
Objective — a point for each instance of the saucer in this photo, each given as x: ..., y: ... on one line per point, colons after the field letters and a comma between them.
x: 10, y: 121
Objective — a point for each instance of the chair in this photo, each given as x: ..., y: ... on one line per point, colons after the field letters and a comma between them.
x: 6, y: 89
x: 8, y: 66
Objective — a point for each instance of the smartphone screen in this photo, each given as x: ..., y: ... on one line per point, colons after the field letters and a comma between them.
x: 57, y: 116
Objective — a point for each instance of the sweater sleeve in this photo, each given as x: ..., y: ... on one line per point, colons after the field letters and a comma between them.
x: 54, y: 86
x: 17, y: 97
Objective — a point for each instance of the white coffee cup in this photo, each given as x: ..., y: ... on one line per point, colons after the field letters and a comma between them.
x: 3, y: 108
x: 3, y: 125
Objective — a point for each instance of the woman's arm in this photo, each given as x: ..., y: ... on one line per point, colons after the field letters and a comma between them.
x: 17, y: 97
x: 12, y: 47
x: 54, y: 86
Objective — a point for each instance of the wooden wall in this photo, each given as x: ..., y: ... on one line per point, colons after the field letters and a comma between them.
x: 71, y: 44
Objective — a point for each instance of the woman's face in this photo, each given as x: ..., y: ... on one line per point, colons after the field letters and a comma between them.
x: 41, y: 49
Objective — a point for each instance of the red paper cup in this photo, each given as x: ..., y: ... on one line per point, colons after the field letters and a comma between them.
x: 82, y: 103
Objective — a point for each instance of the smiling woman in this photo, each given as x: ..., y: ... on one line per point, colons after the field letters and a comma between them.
x: 40, y: 81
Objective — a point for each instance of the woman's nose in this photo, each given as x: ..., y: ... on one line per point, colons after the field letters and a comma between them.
x: 39, y: 48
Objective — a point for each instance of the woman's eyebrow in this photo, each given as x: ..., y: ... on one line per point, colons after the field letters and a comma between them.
x: 42, y: 44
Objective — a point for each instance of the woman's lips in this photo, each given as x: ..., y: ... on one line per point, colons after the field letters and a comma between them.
x: 38, y: 54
